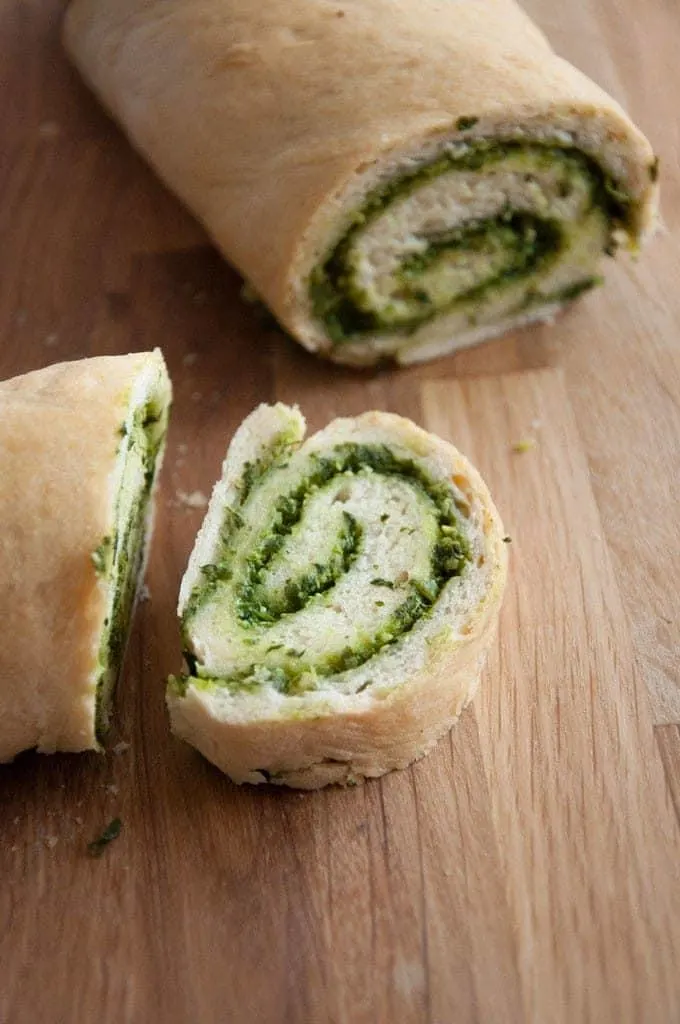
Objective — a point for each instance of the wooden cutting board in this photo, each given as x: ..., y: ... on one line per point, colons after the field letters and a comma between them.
x: 528, y: 869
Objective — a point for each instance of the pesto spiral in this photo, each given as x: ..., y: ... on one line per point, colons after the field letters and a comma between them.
x: 393, y: 180
x: 486, y: 230
x: 328, y: 574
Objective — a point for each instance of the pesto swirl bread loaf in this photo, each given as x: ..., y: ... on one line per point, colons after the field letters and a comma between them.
x: 339, y: 602
x: 80, y: 446
x: 394, y: 178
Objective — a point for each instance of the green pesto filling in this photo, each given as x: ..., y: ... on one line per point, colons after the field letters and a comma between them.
x: 514, y: 244
x: 257, y: 606
x: 119, y: 557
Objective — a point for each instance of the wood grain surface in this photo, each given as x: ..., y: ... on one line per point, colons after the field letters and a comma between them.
x: 529, y: 869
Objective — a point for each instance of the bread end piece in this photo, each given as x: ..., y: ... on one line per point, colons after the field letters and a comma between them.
x: 76, y: 503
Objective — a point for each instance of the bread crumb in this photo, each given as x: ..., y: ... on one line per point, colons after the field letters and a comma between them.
x: 144, y: 594
x: 15, y: 821
x: 196, y: 499
x: 51, y: 340
x: 112, y: 788
x: 196, y: 396
x: 525, y: 444
x: 51, y: 841
x: 189, y: 359
x: 182, y: 449
x: 119, y: 748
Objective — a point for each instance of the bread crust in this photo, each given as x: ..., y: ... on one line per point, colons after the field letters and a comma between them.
x: 287, y: 113
x: 321, y: 740
x: 59, y: 436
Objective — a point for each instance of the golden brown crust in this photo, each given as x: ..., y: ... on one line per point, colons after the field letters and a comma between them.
x: 58, y: 443
x: 285, y: 113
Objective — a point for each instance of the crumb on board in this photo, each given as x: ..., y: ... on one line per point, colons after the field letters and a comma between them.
x: 182, y: 449
x: 144, y: 593
x: 121, y: 747
x: 193, y: 499
x: 524, y: 444
x: 51, y: 339
x: 112, y: 788
x: 189, y: 358
x: 51, y: 842
x: 196, y: 396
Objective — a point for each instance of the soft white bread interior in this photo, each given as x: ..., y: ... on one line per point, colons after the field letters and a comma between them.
x: 340, y: 600
x: 80, y: 446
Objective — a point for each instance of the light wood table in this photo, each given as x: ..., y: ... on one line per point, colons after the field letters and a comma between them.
x: 528, y: 869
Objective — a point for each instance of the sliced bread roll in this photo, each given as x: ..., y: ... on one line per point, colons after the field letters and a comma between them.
x: 80, y: 448
x: 394, y: 178
x: 339, y: 602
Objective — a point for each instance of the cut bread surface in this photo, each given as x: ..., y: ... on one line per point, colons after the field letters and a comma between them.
x: 332, y: 581
x: 80, y: 448
x: 399, y: 182
x: 490, y: 229
x: 120, y: 559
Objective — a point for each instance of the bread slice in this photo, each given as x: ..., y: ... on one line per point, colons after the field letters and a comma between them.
x: 80, y: 448
x: 339, y: 602
x: 394, y: 178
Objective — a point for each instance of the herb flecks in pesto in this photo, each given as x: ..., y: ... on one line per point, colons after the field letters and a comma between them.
x: 254, y: 603
x: 257, y: 606
x: 511, y: 246
x: 255, y: 470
